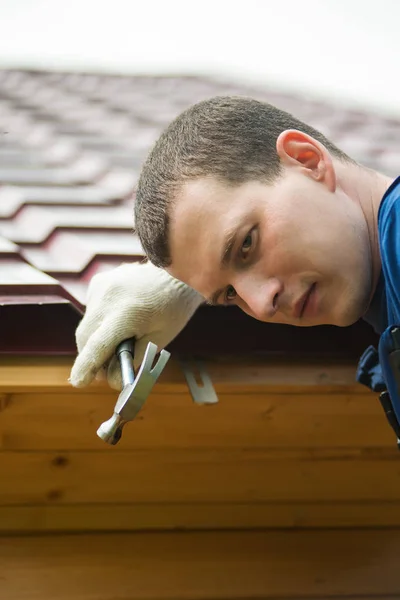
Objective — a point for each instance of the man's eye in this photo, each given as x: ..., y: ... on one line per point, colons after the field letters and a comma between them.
x: 230, y: 293
x: 247, y: 244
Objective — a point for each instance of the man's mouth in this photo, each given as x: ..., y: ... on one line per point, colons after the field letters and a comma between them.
x: 301, y: 304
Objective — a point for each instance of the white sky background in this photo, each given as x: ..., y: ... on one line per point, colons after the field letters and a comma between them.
x: 346, y: 50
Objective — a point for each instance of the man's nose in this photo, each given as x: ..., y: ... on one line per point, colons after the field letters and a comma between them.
x: 260, y: 297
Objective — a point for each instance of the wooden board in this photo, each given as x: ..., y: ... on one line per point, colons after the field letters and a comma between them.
x: 51, y: 421
x: 312, y: 565
x: 196, y: 516
x: 51, y: 373
x: 198, y: 476
x: 286, y: 446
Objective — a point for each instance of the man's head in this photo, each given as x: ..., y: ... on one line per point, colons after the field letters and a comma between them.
x: 241, y: 201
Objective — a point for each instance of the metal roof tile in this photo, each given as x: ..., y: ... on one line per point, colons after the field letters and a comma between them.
x: 71, y: 146
x: 71, y: 253
x: 115, y: 187
x: 84, y: 170
x: 35, y: 224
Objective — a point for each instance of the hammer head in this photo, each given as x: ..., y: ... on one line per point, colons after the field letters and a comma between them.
x: 134, y: 395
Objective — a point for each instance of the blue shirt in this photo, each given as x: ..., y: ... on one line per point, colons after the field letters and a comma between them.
x: 384, y: 311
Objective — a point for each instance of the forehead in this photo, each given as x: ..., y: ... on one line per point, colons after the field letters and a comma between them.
x: 205, y: 198
x: 203, y: 213
x: 201, y: 196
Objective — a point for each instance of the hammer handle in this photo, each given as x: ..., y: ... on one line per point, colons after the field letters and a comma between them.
x: 126, y: 352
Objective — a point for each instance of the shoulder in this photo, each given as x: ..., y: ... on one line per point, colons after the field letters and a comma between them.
x: 389, y: 246
x: 389, y: 212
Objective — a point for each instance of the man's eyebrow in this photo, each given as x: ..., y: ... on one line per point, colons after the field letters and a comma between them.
x: 227, y: 247
x: 213, y: 299
x: 229, y: 242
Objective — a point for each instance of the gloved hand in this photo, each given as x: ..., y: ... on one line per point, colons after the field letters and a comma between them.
x: 132, y: 300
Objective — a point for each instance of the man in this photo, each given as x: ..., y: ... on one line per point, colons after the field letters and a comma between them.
x: 241, y: 203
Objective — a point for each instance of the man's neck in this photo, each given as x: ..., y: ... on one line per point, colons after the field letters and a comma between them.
x: 367, y: 187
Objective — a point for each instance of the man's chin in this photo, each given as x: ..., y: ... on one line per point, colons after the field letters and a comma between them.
x: 347, y: 320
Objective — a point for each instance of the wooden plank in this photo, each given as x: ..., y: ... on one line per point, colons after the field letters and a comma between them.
x: 199, y: 476
x: 51, y: 373
x: 42, y: 518
x: 203, y: 565
x: 70, y: 421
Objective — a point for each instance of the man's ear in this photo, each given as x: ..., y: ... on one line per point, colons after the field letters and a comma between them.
x: 297, y: 149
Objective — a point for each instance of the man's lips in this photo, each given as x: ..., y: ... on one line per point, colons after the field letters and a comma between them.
x: 302, y: 302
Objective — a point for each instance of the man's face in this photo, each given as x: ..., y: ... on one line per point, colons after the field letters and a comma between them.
x: 295, y: 252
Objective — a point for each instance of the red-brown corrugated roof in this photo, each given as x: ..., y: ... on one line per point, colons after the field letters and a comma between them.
x: 71, y: 146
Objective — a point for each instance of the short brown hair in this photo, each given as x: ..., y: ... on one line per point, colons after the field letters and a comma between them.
x: 229, y: 137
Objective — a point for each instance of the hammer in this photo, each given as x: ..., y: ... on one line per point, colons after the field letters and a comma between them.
x: 135, y: 389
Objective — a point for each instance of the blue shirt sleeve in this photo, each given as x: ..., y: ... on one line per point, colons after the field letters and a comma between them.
x: 389, y: 244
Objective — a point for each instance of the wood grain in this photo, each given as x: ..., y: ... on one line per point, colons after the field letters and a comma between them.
x: 217, y: 476
x: 202, y: 565
x: 196, y: 516
x: 49, y: 421
x: 288, y: 445
x: 51, y: 373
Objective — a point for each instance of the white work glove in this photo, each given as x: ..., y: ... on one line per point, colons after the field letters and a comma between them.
x: 132, y: 300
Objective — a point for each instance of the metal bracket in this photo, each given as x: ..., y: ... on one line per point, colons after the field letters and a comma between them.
x: 203, y: 392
